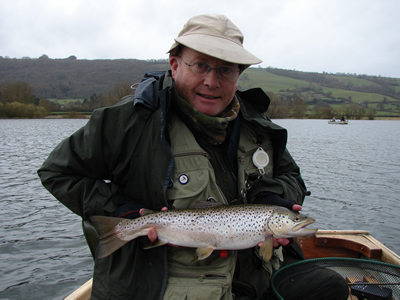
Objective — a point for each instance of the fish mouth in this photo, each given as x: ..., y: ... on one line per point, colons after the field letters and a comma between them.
x: 300, y: 229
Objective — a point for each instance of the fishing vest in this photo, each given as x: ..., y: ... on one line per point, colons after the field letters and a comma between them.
x: 193, y: 179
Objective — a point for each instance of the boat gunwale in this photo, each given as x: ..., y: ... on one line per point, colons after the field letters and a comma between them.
x: 387, y: 255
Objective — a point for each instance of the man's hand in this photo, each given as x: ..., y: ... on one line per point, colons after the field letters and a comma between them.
x: 276, y: 200
x: 286, y: 242
x: 152, y: 233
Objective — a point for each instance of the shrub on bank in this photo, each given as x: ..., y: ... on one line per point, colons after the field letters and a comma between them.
x: 21, y: 110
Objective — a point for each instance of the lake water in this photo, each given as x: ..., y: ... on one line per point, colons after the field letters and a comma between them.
x: 352, y: 172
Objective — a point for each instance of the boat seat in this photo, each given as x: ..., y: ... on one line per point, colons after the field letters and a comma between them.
x: 340, y: 243
x: 357, y: 243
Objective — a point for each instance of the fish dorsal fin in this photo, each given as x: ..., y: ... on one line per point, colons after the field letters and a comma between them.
x: 206, y: 204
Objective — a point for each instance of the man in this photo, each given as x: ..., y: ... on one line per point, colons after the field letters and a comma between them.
x: 185, y: 135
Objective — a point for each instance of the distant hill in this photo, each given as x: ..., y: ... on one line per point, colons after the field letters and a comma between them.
x: 374, y: 92
x: 73, y: 78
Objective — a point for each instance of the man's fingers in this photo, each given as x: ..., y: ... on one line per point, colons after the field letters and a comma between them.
x: 283, y: 242
x: 297, y: 207
x: 277, y: 243
x: 152, y: 234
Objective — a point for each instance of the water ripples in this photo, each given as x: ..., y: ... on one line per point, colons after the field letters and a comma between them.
x: 40, y: 240
x: 353, y: 174
x: 352, y: 171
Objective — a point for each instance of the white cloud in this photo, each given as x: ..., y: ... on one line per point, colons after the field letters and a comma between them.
x: 355, y: 36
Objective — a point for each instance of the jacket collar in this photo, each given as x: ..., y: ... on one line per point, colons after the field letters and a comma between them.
x: 152, y: 82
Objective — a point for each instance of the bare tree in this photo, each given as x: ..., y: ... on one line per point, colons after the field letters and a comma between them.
x: 298, y: 108
x: 278, y: 108
x: 17, y: 92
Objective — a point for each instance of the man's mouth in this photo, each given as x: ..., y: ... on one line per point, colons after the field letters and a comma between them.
x: 208, y: 97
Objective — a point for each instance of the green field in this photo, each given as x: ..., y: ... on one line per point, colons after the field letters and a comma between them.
x: 352, y: 80
x: 357, y: 96
x: 66, y: 101
x: 268, y: 82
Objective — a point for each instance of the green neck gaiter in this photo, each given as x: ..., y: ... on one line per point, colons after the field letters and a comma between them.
x: 215, y: 128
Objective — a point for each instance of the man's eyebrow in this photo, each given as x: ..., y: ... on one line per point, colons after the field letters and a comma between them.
x: 203, y: 58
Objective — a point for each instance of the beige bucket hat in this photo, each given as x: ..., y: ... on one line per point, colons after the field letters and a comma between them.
x: 216, y: 36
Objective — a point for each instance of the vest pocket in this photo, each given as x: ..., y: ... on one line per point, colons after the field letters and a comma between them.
x: 184, y: 292
x: 207, y: 286
x: 188, y: 187
x: 193, y: 180
x: 207, y: 279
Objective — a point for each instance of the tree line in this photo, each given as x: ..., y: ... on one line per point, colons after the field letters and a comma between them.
x: 37, y: 87
x: 295, y: 107
x: 73, y: 78
x: 17, y: 100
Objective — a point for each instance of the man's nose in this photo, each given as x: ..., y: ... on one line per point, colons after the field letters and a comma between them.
x: 212, y: 79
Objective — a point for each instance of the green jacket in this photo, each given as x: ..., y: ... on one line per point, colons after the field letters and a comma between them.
x: 124, y: 150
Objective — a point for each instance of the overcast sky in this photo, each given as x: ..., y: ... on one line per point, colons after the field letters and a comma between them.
x: 350, y: 36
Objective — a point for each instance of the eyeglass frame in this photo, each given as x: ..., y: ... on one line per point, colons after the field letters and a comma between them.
x: 212, y: 68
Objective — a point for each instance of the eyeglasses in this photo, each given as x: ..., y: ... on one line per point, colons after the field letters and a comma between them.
x: 223, y: 72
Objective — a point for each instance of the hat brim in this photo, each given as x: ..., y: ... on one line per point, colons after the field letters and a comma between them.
x: 220, y: 48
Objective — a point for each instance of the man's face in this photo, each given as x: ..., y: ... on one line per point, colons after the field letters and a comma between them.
x: 208, y: 93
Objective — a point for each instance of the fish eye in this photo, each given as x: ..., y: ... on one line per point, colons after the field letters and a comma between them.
x: 297, y: 219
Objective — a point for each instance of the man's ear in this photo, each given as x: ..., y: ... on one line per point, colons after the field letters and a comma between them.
x: 173, y: 61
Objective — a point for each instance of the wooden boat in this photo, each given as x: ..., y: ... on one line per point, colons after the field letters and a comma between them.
x: 325, y: 243
x: 338, y: 122
x: 346, y: 243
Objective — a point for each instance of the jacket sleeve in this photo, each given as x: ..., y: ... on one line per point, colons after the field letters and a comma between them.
x: 77, y: 170
x: 286, y: 182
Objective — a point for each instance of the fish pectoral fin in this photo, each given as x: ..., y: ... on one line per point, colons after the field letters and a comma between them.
x: 267, y: 247
x: 157, y: 243
x: 279, y: 253
x: 202, y: 253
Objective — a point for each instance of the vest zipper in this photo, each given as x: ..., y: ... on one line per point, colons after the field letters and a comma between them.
x: 201, y: 277
x: 202, y: 153
x: 229, y: 171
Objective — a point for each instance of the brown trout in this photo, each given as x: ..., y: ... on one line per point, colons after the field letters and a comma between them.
x: 223, y: 227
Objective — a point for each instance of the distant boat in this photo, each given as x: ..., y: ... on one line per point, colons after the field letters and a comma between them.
x: 333, y: 121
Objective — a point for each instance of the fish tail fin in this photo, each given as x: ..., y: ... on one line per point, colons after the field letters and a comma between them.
x: 109, y: 241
